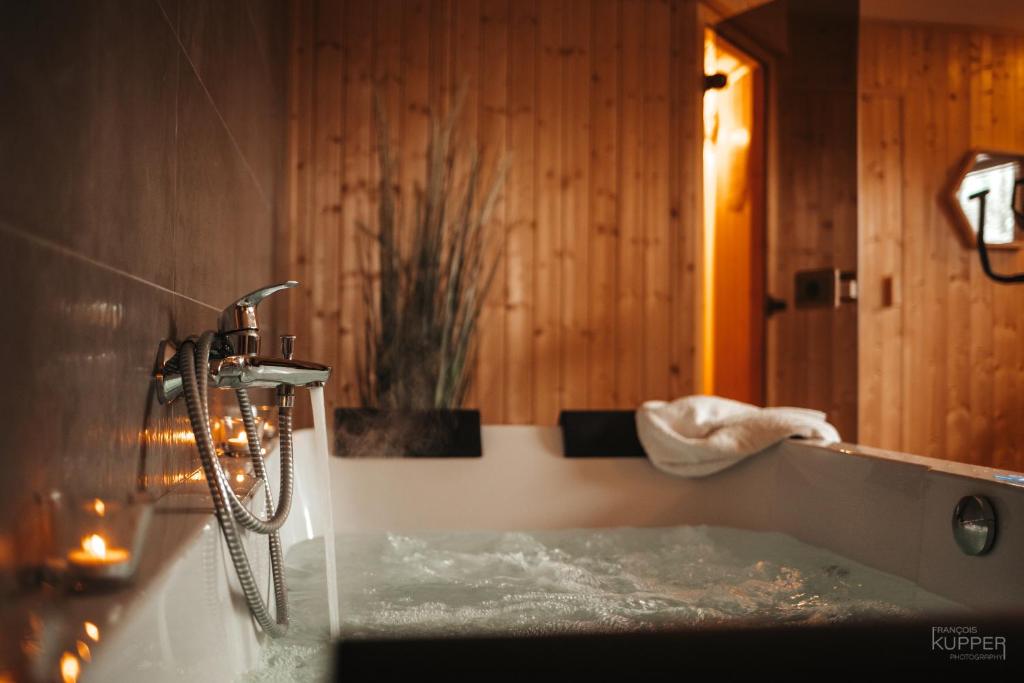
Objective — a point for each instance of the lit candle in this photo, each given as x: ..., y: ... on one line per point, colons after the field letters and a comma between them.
x: 69, y: 668
x: 95, y: 560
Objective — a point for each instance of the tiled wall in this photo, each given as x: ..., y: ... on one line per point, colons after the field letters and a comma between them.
x: 141, y: 152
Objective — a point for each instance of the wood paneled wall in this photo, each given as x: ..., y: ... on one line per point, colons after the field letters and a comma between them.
x: 598, y: 104
x: 941, y: 358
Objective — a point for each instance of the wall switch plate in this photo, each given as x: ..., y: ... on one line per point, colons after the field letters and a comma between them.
x: 824, y: 288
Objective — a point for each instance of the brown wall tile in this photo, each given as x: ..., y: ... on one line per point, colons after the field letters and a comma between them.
x: 87, y: 135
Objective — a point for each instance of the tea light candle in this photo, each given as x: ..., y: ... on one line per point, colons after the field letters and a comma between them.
x: 95, y: 560
x: 241, y: 440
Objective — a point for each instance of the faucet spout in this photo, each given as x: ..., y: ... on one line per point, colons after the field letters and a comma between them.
x: 237, y: 372
x: 244, y: 372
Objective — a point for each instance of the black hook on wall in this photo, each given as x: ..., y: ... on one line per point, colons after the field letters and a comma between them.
x: 983, y: 247
x: 715, y: 81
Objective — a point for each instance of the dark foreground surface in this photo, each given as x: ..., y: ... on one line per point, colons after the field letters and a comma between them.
x: 959, y: 646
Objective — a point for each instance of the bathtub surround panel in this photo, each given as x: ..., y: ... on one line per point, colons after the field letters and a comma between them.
x: 138, y: 200
x: 526, y: 464
x: 598, y: 104
x: 845, y: 490
x: 948, y: 572
x: 942, y: 367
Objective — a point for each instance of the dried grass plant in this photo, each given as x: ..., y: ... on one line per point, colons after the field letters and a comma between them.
x: 420, y: 330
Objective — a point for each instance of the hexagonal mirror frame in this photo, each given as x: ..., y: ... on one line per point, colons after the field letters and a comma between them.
x: 999, y: 175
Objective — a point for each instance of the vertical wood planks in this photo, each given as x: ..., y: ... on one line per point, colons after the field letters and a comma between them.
x: 958, y: 357
x: 982, y: 349
x: 357, y: 184
x: 548, y: 380
x: 631, y: 342
x: 1007, y: 309
x: 604, y: 203
x: 686, y: 136
x: 656, y: 241
x: 494, y: 63
x: 598, y: 103
x: 575, y: 250
x: 522, y: 220
x: 961, y: 381
x: 466, y: 79
x: 292, y: 261
x: 880, y: 253
x: 327, y: 155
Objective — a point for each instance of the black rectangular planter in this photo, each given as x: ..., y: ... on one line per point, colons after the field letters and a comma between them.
x: 415, y: 434
x: 600, y: 434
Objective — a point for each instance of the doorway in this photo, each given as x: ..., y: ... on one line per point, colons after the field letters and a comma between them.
x: 734, y: 223
x: 806, y: 72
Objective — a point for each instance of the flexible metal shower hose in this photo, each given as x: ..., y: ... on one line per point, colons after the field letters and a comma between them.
x: 195, y: 365
x: 238, y: 509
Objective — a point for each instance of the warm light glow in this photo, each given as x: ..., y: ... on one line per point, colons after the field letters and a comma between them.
x: 83, y: 651
x: 241, y: 439
x: 710, y: 186
x: 94, y: 545
x: 197, y: 475
x: 92, y: 630
x: 69, y: 668
x: 239, y: 478
x: 99, y: 507
x: 169, y: 436
x: 727, y: 139
x: 739, y: 137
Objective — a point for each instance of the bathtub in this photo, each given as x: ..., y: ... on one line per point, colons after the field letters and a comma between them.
x: 889, y: 511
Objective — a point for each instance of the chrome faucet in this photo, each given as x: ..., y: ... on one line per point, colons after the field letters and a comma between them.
x: 235, y: 362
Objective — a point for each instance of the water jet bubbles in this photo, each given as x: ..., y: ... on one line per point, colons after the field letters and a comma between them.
x: 440, y: 584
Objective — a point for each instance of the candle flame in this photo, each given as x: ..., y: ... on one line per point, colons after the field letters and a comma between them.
x: 83, y: 650
x: 99, y: 506
x: 239, y: 478
x: 69, y: 667
x: 95, y: 545
x: 92, y: 630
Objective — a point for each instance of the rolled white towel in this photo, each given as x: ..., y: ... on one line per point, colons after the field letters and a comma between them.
x: 699, y: 435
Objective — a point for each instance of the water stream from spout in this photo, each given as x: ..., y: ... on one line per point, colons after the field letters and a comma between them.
x: 316, y: 397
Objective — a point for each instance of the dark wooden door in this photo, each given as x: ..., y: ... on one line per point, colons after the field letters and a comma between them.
x: 809, y: 49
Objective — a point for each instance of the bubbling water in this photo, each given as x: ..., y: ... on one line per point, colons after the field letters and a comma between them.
x: 575, y: 581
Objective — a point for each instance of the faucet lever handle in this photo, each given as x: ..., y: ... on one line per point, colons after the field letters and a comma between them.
x: 241, y: 315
